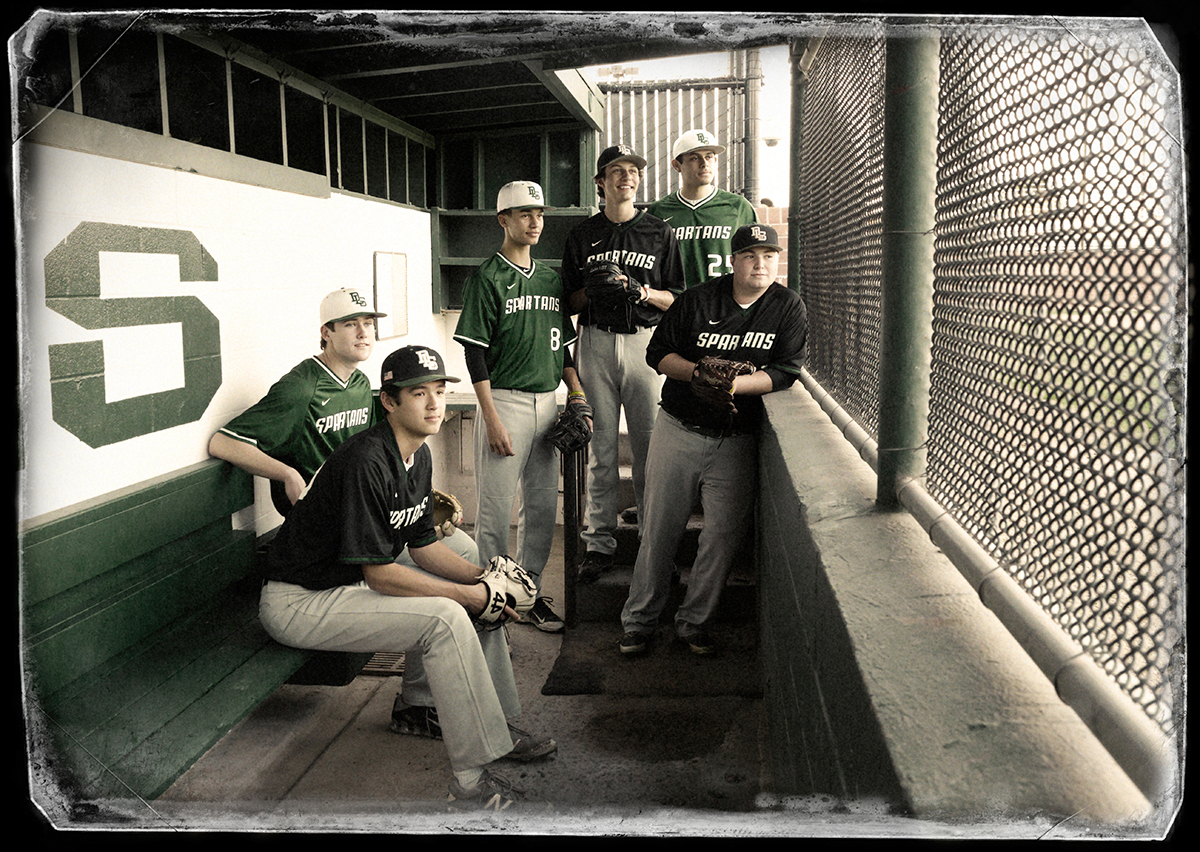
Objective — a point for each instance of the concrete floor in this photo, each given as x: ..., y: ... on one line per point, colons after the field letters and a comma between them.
x: 322, y: 759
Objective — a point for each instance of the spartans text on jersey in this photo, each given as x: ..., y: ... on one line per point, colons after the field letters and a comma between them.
x: 400, y: 518
x: 532, y: 303
x: 749, y: 340
x: 703, y: 232
x: 625, y: 257
x: 343, y: 419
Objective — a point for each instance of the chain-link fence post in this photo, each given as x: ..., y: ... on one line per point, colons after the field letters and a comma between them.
x: 909, y: 195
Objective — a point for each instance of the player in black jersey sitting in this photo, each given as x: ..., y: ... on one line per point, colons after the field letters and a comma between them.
x: 334, y: 582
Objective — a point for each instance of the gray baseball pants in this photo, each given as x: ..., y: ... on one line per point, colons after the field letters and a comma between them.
x: 681, y: 465
x: 465, y: 673
x: 532, y: 473
x: 614, y: 374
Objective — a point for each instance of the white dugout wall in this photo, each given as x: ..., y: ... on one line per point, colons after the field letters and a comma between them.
x: 276, y: 254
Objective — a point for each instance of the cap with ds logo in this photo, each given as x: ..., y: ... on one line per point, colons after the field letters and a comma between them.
x: 616, y: 154
x: 346, y: 304
x: 521, y: 195
x: 754, y: 236
x: 413, y: 365
x: 696, y: 140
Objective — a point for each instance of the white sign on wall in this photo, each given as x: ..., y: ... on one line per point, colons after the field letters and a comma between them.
x: 391, y: 293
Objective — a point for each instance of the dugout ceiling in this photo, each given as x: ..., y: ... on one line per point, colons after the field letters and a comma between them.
x: 451, y: 72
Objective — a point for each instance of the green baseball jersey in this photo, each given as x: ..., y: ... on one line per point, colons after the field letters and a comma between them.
x: 703, y: 229
x: 304, y: 417
x: 518, y: 317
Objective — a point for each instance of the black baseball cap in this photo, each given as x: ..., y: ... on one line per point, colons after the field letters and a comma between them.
x: 615, y: 154
x: 754, y: 236
x: 413, y: 365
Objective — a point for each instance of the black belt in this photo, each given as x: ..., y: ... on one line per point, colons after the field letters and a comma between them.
x: 615, y: 330
x: 709, y: 432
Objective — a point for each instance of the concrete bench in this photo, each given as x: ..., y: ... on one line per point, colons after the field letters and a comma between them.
x: 140, y: 633
x: 889, y: 680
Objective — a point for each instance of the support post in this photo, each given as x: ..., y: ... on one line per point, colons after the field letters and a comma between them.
x: 909, y: 184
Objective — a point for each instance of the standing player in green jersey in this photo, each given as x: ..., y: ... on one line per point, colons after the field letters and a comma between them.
x: 515, y: 333
x: 704, y: 217
x: 321, y: 402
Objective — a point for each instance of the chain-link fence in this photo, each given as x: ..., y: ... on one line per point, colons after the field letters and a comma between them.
x: 839, y: 217
x: 1057, y: 381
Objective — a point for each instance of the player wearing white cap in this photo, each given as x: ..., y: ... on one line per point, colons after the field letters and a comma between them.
x: 515, y: 333
x: 703, y: 216
x: 317, y: 405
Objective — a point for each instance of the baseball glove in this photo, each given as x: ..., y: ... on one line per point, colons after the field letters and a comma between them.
x: 607, y: 285
x: 571, y: 432
x: 447, y: 513
x: 508, y: 584
x: 712, y: 381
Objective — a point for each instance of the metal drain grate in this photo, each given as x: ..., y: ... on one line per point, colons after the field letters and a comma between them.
x: 385, y: 663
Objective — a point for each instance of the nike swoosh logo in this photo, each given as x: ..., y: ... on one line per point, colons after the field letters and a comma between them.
x: 668, y: 219
x: 714, y: 322
x: 326, y: 402
x: 597, y: 243
x: 510, y: 286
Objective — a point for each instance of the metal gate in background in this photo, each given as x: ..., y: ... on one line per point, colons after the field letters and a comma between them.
x: 649, y: 116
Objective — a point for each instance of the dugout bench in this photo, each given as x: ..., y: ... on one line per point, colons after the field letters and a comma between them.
x: 140, y: 637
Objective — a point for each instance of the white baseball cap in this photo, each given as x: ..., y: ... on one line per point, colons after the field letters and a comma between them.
x: 346, y: 304
x: 696, y: 140
x: 521, y: 195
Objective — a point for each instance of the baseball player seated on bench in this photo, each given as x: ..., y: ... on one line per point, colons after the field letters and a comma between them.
x: 333, y: 582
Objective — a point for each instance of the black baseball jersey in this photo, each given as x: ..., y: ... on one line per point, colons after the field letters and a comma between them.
x: 362, y: 508
x: 644, y: 247
x: 771, y: 334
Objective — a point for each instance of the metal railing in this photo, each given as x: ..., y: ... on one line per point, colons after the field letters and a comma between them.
x: 1055, y: 332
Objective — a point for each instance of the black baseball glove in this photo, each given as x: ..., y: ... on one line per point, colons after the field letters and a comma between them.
x: 607, y: 285
x: 571, y: 431
x: 712, y: 381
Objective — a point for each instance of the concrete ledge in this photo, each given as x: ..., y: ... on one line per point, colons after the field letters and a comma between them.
x: 887, y: 676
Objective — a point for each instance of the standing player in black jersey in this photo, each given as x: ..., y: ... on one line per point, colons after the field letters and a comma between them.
x: 611, y: 351
x: 700, y: 450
